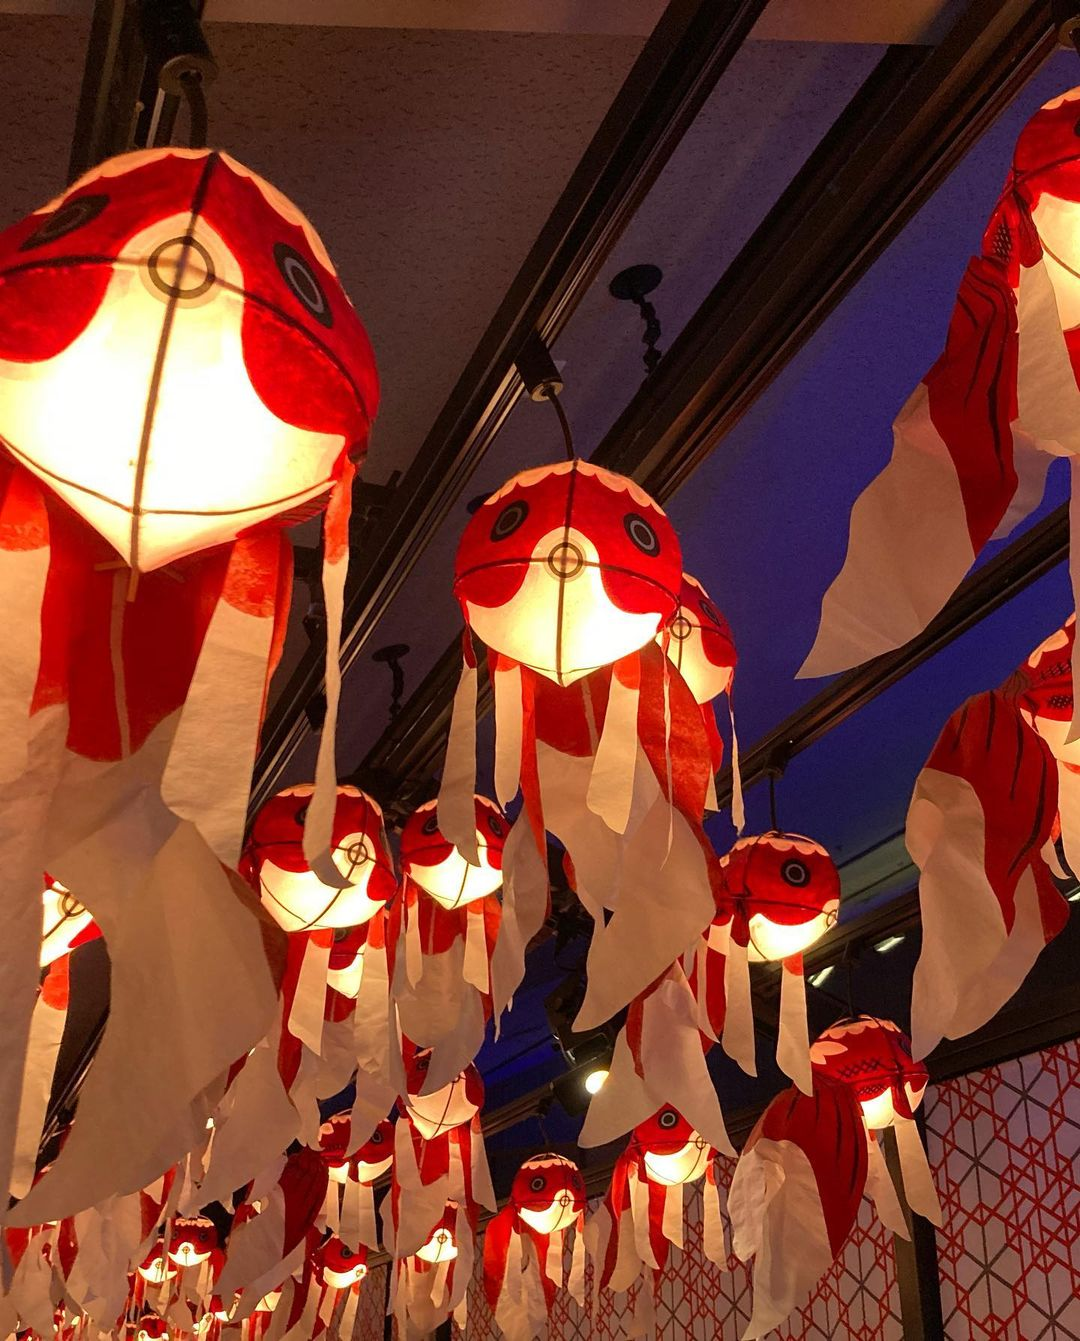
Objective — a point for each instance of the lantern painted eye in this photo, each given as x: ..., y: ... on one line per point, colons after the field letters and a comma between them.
x: 303, y: 284
x: 641, y: 534
x: 496, y: 826
x: 431, y: 825
x: 74, y: 214
x: 709, y: 610
x: 346, y: 1252
x: 376, y: 1138
x: 668, y: 1119
x: 795, y: 873
x: 509, y: 520
x: 422, y: 1063
x: 538, y: 1183
x: 301, y: 816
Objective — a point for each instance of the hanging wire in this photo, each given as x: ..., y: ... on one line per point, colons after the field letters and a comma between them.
x: 198, y: 120
x: 568, y: 437
x: 773, y: 775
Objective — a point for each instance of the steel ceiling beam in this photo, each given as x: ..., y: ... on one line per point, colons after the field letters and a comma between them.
x: 693, y: 44
x: 914, y: 118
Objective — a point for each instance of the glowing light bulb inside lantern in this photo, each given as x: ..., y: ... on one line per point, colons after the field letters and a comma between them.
x: 63, y: 921
x: 548, y: 1193
x: 452, y: 1106
x: 567, y: 568
x: 152, y: 400
x: 873, y: 1058
x: 291, y: 892
x: 433, y: 863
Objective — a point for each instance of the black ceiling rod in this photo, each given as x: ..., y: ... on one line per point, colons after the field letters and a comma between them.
x: 913, y: 119
x: 680, y: 64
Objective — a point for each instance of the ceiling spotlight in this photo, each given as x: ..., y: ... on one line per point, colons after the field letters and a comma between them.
x: 889, y: 943
x: 1074, y: 897
x: 594, y: 1080
x: 816, y: 979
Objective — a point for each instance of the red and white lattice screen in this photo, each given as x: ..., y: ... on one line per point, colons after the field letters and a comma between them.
x: 1004, y: 1145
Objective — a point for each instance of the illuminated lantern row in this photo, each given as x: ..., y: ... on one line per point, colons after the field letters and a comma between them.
x: 987, y: 902
x: 442, y: 929
x: 524, y: 1246
x: 802, y: 1173
x: 633, y: 1228
x: 181, y: 377
x: 778, y: 894
x: 569, y: 574
x: 982, y: 458
x: 439, y: 1156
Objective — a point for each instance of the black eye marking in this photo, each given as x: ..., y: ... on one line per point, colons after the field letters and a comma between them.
x: 70, y: 216
x: 642, y: 534
x: 538, y: 1183
x: 496, y: 826
x: 303, y: 284
x: 668, y: 1119
x: 509, y: 520
x: 710, y: 611
x: 795, y: 873
x: 431, y: 825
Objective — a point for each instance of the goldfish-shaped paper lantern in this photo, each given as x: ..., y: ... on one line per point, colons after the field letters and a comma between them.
x: 194, y: 1240
x: 697, y: 639
x: 442, y: 929
x: 290, y: 890
x: 987, y: 902
x: 778, y: 894
x: 630, y: 1234
x: 151, y: 1327
x: 523, y: 1245
x: 972, y: 444
x: 430, y: 1284
x: 568, y: 574
x: 181, y: 377
x: 357, y: 1225
x: 439, y: 1155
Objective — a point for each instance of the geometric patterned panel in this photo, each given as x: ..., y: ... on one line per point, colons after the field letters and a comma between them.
x: 1005, y: 1148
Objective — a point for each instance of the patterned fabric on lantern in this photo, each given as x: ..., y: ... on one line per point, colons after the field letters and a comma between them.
x: 523, y: 1246
x: 631, y: 1231
x: 697, y: 639
x: 778, y: 894
x: 442, y: 929
x: 181, y: 377
x: 568, y: 573
x: 439, y: 1155
x: 981, y: 458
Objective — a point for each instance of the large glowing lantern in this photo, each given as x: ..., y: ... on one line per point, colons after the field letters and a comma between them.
x: 968, y: 466
x: 290, y: 890
x: 341, y: 1266
x: 453, y: 1106
x: 440, y: 869
x: 567, y: 568
x: 778, y: 895
x: 178, y: 361
x: 193, y: 1240
x: 873, y: 1058
x: 548, y: 1193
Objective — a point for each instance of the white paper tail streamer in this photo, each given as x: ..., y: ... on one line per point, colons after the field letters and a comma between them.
x: 319, y: 824
x: 712, y: 1231
x: 639, y: 1209
x: 643, y: 1318
x: 207, y: 779
x: 793, y: 1042
x: 23, y: 572
x: 919, y: 1187
x: 777, y: 1218
x: 1074, y: 579
x: 738, y: 805
x: 347, y: 1323
x: 576, y: 1283
x: 309, y: 1001
x: 881, y: 1190
x: 525, y: 906
x: 477, y: 971
x: 738, y: 1035
x: 886, y: 592
x: 46, y: 1031
x: 673, y: 1214
x: 508, y: 729
x: 456, y: 808
x: 482, y: 1190
x: 611, y: 786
